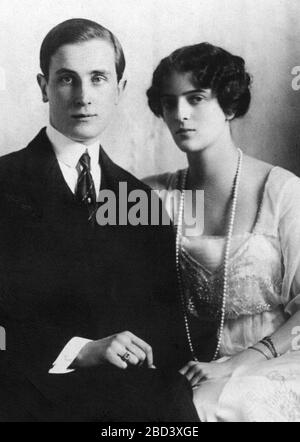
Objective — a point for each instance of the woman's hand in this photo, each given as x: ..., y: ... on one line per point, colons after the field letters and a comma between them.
x: 195, y: 372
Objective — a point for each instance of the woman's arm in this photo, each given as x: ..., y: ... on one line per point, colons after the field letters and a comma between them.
x: 285, y: 202
x: 282, y: 339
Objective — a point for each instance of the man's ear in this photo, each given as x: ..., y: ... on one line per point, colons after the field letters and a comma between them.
x: 121, y: 88
x: 42, y: 82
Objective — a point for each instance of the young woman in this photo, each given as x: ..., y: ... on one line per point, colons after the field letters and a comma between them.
x: 243, y: 270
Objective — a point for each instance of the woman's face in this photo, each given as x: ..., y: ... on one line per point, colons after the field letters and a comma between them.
x: 193, y: 116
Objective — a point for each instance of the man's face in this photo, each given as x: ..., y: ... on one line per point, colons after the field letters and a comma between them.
x: 82, y: 89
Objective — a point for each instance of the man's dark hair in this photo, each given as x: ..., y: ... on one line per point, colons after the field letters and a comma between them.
x: 78, y: 30
x: 211, y: 68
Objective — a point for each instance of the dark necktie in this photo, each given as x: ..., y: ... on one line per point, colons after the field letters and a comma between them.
x: 85, y: 190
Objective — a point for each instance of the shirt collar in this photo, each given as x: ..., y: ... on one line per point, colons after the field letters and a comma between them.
x: 68, y: 151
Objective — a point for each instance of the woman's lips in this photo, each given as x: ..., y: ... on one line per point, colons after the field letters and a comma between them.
x: 184, y: 131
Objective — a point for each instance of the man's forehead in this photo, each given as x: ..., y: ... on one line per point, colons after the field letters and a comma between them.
x: 91, y: 55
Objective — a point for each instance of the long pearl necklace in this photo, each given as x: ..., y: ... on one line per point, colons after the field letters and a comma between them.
x: 234, y: 194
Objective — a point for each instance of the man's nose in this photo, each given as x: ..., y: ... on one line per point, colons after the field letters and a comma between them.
x: 82, y: 94
x: 183, y: 110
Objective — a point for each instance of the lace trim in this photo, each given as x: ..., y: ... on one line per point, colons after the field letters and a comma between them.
x: 249, y: 294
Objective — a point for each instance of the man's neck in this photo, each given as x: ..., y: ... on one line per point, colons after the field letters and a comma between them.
x: 66, y: 139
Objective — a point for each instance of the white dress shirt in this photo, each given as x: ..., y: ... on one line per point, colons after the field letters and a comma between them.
x: 68, y: 153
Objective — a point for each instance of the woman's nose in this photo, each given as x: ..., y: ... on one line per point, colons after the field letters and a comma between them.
x: 183, y: 110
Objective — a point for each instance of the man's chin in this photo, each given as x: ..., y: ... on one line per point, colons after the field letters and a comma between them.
x: 84, y: 136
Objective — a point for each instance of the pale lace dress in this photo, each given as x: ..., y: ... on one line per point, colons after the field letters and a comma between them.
x: 264, y: 290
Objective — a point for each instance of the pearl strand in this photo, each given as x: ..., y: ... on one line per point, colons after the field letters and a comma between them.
x: 235, y: 187
x: 178, y: 271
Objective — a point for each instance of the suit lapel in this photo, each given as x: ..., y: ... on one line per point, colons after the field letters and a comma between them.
x: 112, y: 175
x: 44, y: 176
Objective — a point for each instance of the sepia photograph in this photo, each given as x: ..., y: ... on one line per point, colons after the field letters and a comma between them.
x: 149, y: 213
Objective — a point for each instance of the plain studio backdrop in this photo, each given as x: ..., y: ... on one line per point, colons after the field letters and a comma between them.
x: 265, y: 32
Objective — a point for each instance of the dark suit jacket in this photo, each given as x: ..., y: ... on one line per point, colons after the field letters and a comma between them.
x: 61, y: 278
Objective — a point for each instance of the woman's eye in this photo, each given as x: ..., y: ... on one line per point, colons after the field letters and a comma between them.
x: 196, y: 99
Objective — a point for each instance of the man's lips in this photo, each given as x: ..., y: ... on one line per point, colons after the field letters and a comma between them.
x: 184, y: 131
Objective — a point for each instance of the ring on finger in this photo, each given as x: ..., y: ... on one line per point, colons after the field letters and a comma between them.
x: 125, y: 357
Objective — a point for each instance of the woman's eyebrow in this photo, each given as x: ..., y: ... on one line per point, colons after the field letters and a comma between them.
x: 192, y: 91
x: 195, y: 91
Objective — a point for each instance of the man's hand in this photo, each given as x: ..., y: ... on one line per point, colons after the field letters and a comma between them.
x: 111, y: 350
x: 195, y: 372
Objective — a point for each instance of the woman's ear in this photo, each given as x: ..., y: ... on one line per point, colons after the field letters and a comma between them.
x: 42, y: 82
x: 229, y: 117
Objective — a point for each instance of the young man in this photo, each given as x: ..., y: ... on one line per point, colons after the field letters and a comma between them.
x: 88, y: 310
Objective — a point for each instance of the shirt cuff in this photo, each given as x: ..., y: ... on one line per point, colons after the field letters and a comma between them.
x: 67, y: 355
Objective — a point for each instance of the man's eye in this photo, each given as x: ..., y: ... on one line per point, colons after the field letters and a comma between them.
x: 98, y: 79
x: 66, y: 80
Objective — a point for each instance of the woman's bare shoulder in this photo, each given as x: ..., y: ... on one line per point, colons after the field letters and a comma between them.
x: 161, y: 181
x: 280, y: 185
x: 257, y: 168
x: 263, y: 171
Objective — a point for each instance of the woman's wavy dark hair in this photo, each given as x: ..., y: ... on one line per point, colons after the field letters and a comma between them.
x: 212, y: 68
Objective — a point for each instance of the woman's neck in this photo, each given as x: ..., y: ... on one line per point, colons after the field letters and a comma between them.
x: 214, y: 166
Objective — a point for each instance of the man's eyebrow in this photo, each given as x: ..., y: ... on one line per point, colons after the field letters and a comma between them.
x: 95, y: 71
x: 101, y: 72
x: 192, y: 91
x: 64, y: 71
